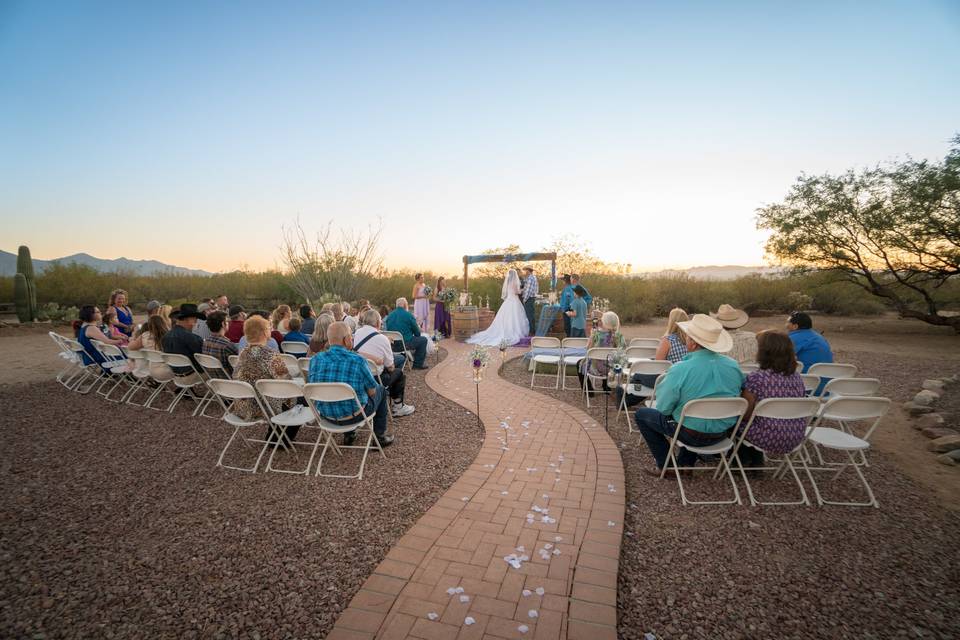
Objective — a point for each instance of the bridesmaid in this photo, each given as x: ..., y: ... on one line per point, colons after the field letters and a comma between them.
x: 441, y: 317
x: 421, y: 303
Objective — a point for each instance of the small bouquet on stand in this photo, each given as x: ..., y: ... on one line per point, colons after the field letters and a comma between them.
x: 503, y: 351
x: 437, y: 336
x: 478, y: 358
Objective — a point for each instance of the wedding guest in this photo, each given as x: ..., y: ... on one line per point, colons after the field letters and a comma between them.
x: 421, y: 303
x: 566, y: 300
x: 295, y: 335
x: 153, y: 308
x: 124, y: 316
x: 217, y: 344
x: 810, y: 347
x: 318, y: 341
x: 223, y: 304
x: 704, y: 373
x: 575, y: 282
x: 384, y: 311
x: 280, y: 318
x: 402, y: 321
x: 201, y: 327
x: 273, y: 340
x: 531, y: 289
x: 607, y: 335
x: 259, y: 362
x: 441, y: 315
x: 673, y: 344
x: 327, y: 308
x: 776, y: 378
x: 744, y: 347
x: 578, y: 313
x: 376, y: 347
x: 348, y: 319
x: 89, y: 329
x: 181, y: 339
x: 339, y: 363
x: 308, y: 318
x: 164, y: 312
x: 235, y: 328
x: 151, y: 337
x: 111, y: 326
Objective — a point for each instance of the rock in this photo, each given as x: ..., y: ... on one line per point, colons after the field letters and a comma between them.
x: 939, y: 432
x: 916, y: 409
x: 944, y: 458
x: 951, y: 455
x: 944, y: 444
x: 925, y: 398
x: 928, y: 421
x: 933, y: 385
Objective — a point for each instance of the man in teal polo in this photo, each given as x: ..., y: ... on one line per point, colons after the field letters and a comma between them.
x: 403, y: 322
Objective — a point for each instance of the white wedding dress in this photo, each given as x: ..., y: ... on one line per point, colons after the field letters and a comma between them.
x: 510, y: 324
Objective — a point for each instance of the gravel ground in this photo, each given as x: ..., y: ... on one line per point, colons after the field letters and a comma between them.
x: 117, y: 524
x: 784, y: 572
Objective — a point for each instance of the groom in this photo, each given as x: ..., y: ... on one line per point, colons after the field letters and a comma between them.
x: 530, y: 290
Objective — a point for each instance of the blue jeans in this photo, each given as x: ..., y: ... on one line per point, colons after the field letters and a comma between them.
x: 418, y: 345
x: 577, y: 333
x: 530, y: 307
x: 376, y: 405
x: 656, y: 427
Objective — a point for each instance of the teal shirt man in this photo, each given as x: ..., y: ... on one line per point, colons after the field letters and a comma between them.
x: 402, y: 321
x: 701, y: 374
x: 579, y: 321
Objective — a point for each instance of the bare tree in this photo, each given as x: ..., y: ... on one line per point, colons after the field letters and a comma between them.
x: 333, y: 265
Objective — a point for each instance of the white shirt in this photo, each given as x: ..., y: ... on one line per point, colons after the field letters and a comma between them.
x: 377, y: 347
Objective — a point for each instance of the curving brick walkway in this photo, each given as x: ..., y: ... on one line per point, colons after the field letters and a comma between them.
x: 538, y: 455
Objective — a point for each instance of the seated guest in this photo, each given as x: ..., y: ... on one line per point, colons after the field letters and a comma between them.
x: 744, y: 347
x: 235, y: 328
x: 776, y: 378
x: 337, y: 310
x: 809, y: 346
x: 294, y: 335
x: 383, y: 310
x: 164, y: 312
x: 181, y: 338
x: 153, y: 308
x: 217, y: 344
x: 89, y: 329
x: 122, y: 313
x: 608, y: 335
x: 704, y: 373
x: 339, y: 363
x: 347, y: 318
x: 259, y: 362
x: 275, y: 336
x: 318, y: 341
x: 376, y: 347
x: 673, y: 344
x: 280, y: 318
x: 111, y: 326
x: 327, y: 308
x: 151, y: 337
x: 578, y: 313
x: 201, y: 327
x: 402, y: 321
x: 223, y: 304
x: 308, y: 318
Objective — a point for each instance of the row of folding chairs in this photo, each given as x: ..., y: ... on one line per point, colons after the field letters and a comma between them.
x: 301, y: 349
x: 841, y: 410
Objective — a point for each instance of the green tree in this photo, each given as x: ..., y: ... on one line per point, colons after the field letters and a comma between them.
x: 893, y: 230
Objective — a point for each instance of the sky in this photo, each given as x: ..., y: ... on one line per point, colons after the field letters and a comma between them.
x: 195, y: 132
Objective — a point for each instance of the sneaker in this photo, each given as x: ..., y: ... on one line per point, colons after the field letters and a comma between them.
x: 399, y: 409
x: 422, y: 367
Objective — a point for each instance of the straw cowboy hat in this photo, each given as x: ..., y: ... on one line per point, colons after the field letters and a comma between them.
x: 730, y: 318
x: 708, y: 333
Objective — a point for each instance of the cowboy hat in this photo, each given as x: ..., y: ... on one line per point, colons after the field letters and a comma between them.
x: 730, y: 318
x: 528, y: 268
x: 187, y: 310
x: 708, y: 333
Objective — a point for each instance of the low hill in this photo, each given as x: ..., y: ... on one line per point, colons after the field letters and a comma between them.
x: 8, y: 265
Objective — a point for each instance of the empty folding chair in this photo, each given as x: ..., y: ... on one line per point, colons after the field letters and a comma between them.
x: 838, y: 387
x: 640, y: 367
x: 805, y: 409
x: 810, y: 383
x: 545, y: 359
x: 72, y: 363
x: 644, y: 342
x: 640, y: 352
x: 570, y: 359
x: 846, y: 409
x: 327, y: 392
x: 595, y: 356
x: 229, y: 392
x: 187, y: 380
x: 298, y: 415
x: 91, y: 373
x: 829, y: 370
x: 294, y: 347
x: 707, y: 409
x: 213, y: 369
x: 396, y: 336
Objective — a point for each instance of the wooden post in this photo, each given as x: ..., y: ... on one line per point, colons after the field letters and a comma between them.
x: 465, y: 264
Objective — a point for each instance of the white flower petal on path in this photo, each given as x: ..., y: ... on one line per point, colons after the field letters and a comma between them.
x: 540, y: 591
x: 533, y: 613
x: 523, y: 628
x: 468, y: 621
x: 433, y: 615
x: 464, y: 598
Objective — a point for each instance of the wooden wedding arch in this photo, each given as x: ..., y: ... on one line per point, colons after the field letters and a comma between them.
x: 507, y: 258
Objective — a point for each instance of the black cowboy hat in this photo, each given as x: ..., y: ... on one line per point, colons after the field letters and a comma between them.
x: 187, y: 310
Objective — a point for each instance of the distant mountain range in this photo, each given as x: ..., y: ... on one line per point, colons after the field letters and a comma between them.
x: 8, y: 265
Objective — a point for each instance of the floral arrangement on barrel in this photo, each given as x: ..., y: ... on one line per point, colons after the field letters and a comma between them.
x: 478, y: 358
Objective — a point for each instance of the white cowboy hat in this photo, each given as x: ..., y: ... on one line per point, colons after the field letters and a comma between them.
x: 731, y: 318
x: 708, y: 333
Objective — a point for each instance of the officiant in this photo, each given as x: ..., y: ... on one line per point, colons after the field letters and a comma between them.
x: 530, y: 291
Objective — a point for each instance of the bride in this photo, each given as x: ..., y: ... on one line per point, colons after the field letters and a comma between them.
x: 510, y: 325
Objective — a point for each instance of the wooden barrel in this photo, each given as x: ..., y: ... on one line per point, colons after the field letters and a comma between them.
x: 484, y: 319
x: 465, y: 322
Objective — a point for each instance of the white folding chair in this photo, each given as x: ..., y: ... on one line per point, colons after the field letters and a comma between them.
x: 234, y: 361
x: 72, y: 363
x: 116, y: 369
x: 547, y: 359
x: 846, y: 409
x: 297, y: 416
x: 570, y: 359
x: 838, y: 387
x: 640, y: 352
x: 326, y: 392
x: 810, y: 383
x: 828, y: 370
x: 139, y: 371
x: 304, y: 367
x: 186, y: 380
x: 89, y: 370
x: 293, y: 368
x: 396, y: 336
x: 749, y: 367
x: 595, y: 355
x: 644, y: 342
x: 229, y: 391
x: 707, y: 409
x: 777, y: 409
x: 160, y: 373
x: 213, y: 369
x: 641, y: 367
x: 294, y: 347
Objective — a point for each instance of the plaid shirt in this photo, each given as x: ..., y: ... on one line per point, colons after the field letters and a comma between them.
x: 531, y: 288
x: 220, y: 347
x: 336, y: 364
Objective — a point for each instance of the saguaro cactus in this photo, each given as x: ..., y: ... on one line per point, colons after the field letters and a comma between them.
x: 25, y: 268
x: 21, y: 298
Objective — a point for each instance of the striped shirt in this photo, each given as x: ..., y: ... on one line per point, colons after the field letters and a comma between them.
x: 531, y: 288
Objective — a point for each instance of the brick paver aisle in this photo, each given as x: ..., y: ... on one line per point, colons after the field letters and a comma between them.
x: 546, y: 491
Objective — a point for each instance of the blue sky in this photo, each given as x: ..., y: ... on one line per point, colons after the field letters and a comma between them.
x: 191, y: 132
